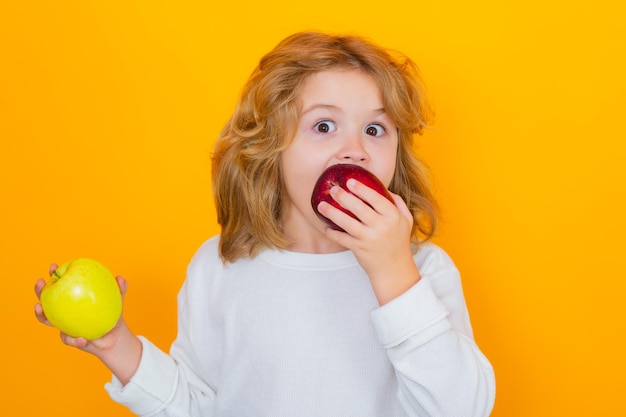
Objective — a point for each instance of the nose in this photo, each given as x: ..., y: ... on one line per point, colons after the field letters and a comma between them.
x: 352, y: 149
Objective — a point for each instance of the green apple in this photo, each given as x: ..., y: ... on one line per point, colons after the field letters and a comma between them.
x: 82, y: 299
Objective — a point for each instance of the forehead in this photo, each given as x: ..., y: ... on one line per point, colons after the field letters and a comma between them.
x: 339, y: 87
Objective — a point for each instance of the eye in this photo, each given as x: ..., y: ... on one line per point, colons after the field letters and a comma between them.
x: 374, y: 130
x: 324, y: 126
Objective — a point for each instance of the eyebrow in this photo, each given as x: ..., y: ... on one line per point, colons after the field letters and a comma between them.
x: 333, y: 108
x: 319, y: 106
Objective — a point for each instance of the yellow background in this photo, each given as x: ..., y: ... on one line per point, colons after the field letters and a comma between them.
x: 109, y: 111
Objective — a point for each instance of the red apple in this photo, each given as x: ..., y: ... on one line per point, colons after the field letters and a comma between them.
x: 338, y: 175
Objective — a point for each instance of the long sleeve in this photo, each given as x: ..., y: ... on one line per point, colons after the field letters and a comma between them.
x: 169, y: 385
x: 162, y: 387
x: 428, y: 338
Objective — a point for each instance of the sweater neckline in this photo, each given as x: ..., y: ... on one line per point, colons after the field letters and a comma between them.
x: 302, y: 260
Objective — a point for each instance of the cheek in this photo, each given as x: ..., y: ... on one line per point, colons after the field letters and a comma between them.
x: 302, y: 163
x: 387, y: 177
x: 298, y: 178
x: 387, y: 166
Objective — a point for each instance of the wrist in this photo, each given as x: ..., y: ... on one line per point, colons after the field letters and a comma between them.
x: 123, y: 354
x: 393, y: 282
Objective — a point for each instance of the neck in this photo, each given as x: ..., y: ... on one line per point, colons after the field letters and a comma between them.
x: 307, y: 238
x: 312, y: 245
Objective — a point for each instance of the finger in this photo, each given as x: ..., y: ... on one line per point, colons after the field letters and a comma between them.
x: 77, y: 342
x: 342, y: 219
x: 344, y: 239
x: 402, y: 207
x: 53, y: 267
x: 40, y: 315
x: 123, y: 284
x: 39, y: 286
x: 372, y: 197
x: 357, y: 204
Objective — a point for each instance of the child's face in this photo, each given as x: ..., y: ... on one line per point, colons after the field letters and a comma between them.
x: 342, y: 120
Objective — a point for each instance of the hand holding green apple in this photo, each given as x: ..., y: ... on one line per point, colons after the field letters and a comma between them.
x: 82, y: 299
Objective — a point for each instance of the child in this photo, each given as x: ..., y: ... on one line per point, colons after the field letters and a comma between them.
x: 282, y: 316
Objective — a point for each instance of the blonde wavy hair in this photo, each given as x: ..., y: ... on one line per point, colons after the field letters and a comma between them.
x: 246, y: 169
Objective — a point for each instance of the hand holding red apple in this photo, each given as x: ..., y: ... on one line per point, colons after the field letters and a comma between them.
x: 377, y: 229
x: 338, y: 175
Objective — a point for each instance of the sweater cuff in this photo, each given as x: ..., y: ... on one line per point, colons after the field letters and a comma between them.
x: 417, y: 314
x: 153, y: 385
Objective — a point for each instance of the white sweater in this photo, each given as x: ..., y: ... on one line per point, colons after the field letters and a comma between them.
x: 296, y: 335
